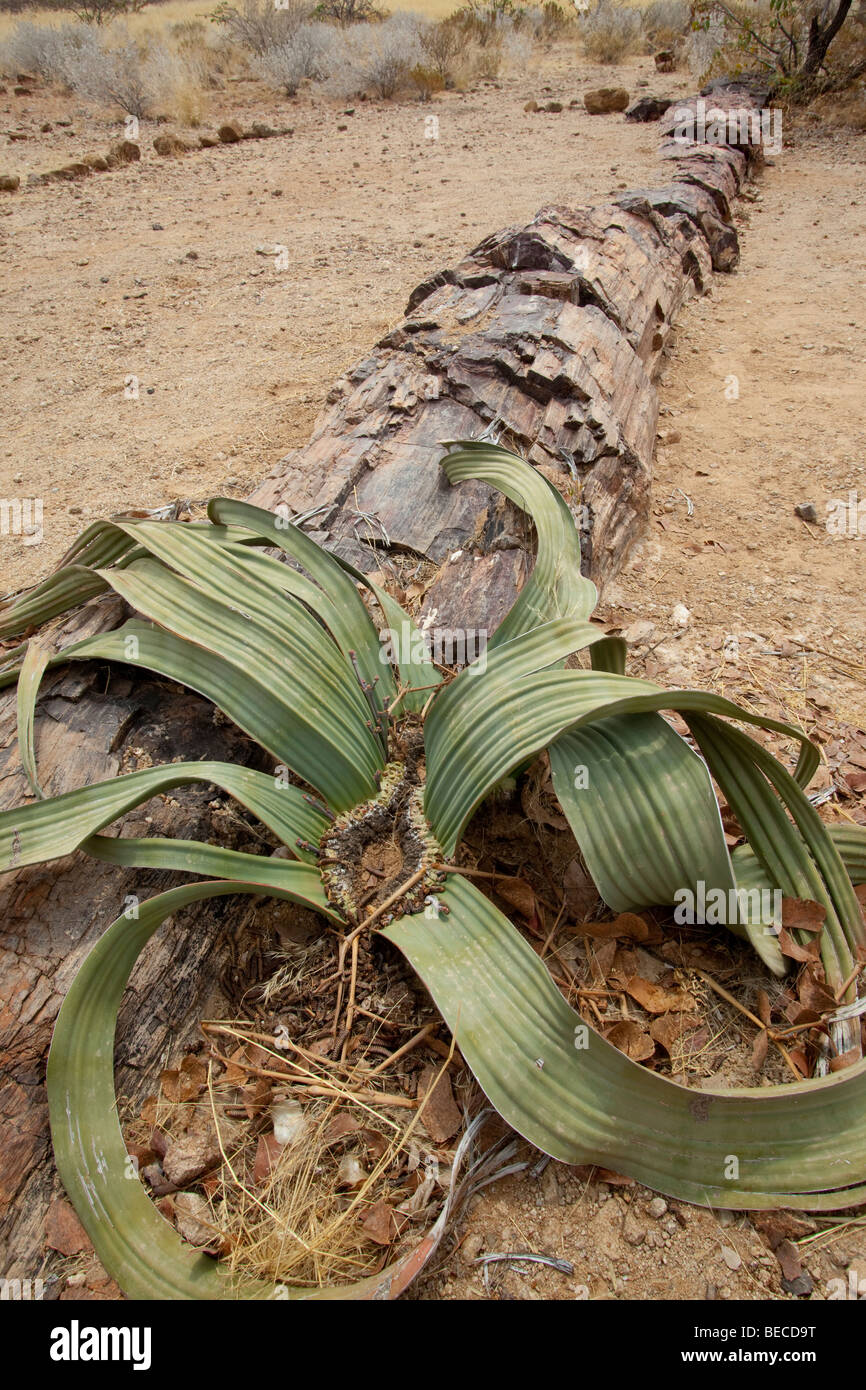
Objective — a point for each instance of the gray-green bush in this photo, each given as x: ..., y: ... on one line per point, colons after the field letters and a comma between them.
x: 609, y: 32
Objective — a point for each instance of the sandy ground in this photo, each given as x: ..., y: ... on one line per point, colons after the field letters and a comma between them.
x: 153, y: 272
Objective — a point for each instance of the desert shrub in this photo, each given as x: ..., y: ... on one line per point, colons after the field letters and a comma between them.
x: 485, y: 61
x: 259, y: 24
x: 174, y: 81
x: 609, y: 32
x: 802, y: 46
x: 497, y: 32
x: 116, y: 77
x: 53, y: 54
x: 376, y: 58
x: 309, y: 52
x: 485, y: 21
x: 665, y: 23
x: 441, y: 45
x: 516, y: 48
x: 345, y: 12
x: 141, y: 80
x: 100, y: 11
x: 426, y: 81
x: 209, y: 56
x: 544, y: 22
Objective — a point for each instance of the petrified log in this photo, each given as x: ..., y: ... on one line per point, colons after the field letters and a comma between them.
x: 547, y: 336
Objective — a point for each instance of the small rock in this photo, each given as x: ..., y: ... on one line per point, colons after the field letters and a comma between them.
x: 262, y: 131
x: 9, y: 183
x: 194, y: 1220
x: 123, y: 152
x: 440, y: 1117
x: 290, y: 1122
x: 669, y: 437
x: 730, y: 1257
x: 554, y: 107
x: 472, y: 1247
x: 532, y: 106
x: 351, y: 1172
x: 807, y: 511
x: 97, y: 162
x: 157, y: 227
x: 604, y: 100
x: 639, y: 632
x: 231, y: 132
x: 632, y: 1229
x: 681, y: 616
x: 207, y: 140
x: 63, y: 1230
x: 800, y: 1287
x: 191, y: 1154
x: 657, y: 1208
x: 648, y: 108
x: 168, y: 143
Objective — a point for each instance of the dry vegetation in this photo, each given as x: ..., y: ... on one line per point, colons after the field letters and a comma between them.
x: 161, y: 62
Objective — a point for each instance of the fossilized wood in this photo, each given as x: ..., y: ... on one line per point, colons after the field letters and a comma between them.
x: 549, y: 336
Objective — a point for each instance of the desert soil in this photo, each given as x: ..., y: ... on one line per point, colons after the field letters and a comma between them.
x: 153, y: 271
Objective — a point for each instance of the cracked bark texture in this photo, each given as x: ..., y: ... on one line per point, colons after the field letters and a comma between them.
x: 549, y: 338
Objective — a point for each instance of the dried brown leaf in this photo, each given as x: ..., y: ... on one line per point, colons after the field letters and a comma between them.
x: 656, y: 999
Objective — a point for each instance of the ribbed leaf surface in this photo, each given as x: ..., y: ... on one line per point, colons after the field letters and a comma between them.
x: 578, y: 1098
x: 556, y: 588
x: 49, y: 829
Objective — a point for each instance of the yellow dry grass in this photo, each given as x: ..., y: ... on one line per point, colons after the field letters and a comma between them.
x: 160, y: 17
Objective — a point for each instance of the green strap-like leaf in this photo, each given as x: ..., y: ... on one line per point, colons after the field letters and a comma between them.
x: 57, y: 826
x: 67, y: 589
x: 251, y: 705
x: 758, y: 789
x: 355, y: 628
x: 75, y: 580
x: 472, y: 743
x: 136, y: 1245
x: 211, y: 861
x: 319, y: 730
x: 410, y: 652
x: 850, y: 841
x: 33, y: 669
x: 644, y: 813
x: 578, y: 1098
x: 556, y: 588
